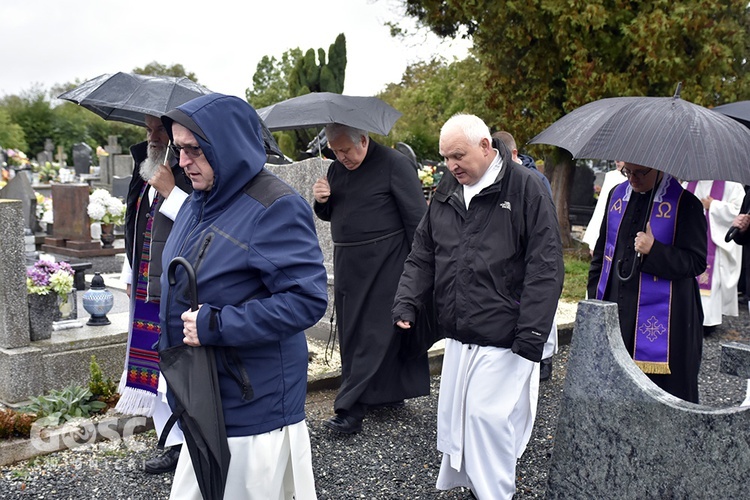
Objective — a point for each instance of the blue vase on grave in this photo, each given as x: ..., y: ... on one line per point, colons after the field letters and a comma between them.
x: 98, y: 301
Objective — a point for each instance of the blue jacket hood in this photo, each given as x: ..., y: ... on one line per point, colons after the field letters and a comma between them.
x: 229, y: 133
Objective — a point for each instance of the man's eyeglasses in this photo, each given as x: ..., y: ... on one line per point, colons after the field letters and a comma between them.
x: 638, y: 174
x: 191, y: 151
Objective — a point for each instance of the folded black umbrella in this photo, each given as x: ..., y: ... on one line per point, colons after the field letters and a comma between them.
x: 192, y: 379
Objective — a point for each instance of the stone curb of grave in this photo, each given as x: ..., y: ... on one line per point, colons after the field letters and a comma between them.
x: 116, y: 426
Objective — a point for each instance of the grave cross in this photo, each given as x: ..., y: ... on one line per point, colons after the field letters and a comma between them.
x: 61, y: 156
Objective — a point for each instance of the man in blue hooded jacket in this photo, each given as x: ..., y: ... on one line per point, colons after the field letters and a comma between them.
x: 261, y: 282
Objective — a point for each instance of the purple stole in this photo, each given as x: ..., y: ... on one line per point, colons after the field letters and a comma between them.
x: 705, y: 279
x: 652, y: 326
x: 138, y: 396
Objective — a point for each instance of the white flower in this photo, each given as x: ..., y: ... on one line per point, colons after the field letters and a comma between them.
x: 96, y: 211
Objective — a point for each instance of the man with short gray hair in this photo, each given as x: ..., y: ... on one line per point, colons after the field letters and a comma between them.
x: 374, y: 201
x: 490, y: 249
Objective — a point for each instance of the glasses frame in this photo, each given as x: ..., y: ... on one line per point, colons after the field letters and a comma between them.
x: 191, y: 151
x: 640, y: 174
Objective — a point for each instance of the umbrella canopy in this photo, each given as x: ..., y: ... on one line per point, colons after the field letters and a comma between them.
x: 127, y: 97
x: 192, y: 378
x: 319, y: 109
x: 739, y: 110
x: 688, y: 141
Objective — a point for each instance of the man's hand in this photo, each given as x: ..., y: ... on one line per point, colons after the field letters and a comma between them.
x: 321, y: 190
x: 163, y: 181
x: 404, y: 325
x: 190, y: 328
x: 707, y: 202
x: 742, y: 222
x: 644, y: 241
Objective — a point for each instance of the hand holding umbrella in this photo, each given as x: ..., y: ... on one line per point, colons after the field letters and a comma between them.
x: 739, y: 225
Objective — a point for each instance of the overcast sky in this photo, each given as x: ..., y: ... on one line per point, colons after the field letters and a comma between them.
x: 50, y: 42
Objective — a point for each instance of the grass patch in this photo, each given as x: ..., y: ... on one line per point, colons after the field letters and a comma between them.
x: 577, y: 262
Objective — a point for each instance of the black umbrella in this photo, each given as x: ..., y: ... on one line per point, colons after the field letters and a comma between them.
x: 688, y: 141
x: 319, y: 109
x: 192, y: 378
x: 127, y: 97
x: 739, y: 110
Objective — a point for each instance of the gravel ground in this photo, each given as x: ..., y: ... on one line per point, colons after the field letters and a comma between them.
x: 394, y: 457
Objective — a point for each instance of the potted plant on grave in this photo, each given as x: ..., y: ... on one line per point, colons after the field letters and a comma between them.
x: 46, y: 280
x: 108, y: 211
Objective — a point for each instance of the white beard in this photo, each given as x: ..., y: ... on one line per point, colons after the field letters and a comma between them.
x: 151, y: 164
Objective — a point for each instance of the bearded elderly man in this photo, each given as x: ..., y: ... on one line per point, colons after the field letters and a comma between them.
x: 490, y: 249
x: 374, y: 201
x: 156, y: 192
x: 651, y: 248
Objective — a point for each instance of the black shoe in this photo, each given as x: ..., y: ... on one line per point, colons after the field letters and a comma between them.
x: 545, y: 372
x: 344, y: 424
x: 166, y: 462
x: 708, y: 330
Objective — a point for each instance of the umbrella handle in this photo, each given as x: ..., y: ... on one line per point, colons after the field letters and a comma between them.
x: 632, y: 272
x: 731, y: 233
x: 192, y: 286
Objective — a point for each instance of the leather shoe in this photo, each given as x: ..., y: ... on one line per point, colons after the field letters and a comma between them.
x: 344, y: 424
x: 166, y: 462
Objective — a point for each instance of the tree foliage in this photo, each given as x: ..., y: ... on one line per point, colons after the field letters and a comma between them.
x: 431, y: 92
x: 298, y: 74
x: 545, y: 58
x: 156, y: 69
x: 271, y: 79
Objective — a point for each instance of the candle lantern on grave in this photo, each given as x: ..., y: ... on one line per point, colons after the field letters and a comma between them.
x: 98, y: 301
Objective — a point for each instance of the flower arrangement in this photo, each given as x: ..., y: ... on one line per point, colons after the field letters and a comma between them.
x: 426, y: 175
x: 47, y: 276
x: 43, y: 207
x: 105, y: 208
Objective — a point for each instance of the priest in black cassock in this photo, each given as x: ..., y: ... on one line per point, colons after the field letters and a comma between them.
x: 658, y: 300
x: 374, y: 201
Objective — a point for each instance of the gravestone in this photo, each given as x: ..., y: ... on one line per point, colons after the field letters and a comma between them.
x: 19, y: 188
x: 301, y: 176
x: 407, y: 151
x: 82, y: 158
x: 582, y: 201
x: 46, y: 155
x: 122, y: 165
x: 619, y: 436
x: 69, y: 211
x: 120, y: 187
x: 106, y: 169
x: 14, y: 312
x: 3, y: 157
x: 61, y: 157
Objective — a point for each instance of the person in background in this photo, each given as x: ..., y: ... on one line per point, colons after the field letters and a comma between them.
x: 651, y: 247
x: 718, y: 284
x: 156, y: 192
x: 261, y: 283
x: 374, y: 202
x: 490, y: 248
x: 550, y: 347
x: 611, y: 179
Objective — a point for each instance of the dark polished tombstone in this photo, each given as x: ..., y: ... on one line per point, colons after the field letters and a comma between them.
x: 120, y: 186
x: 82, y: 158
x: 582, y: 201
